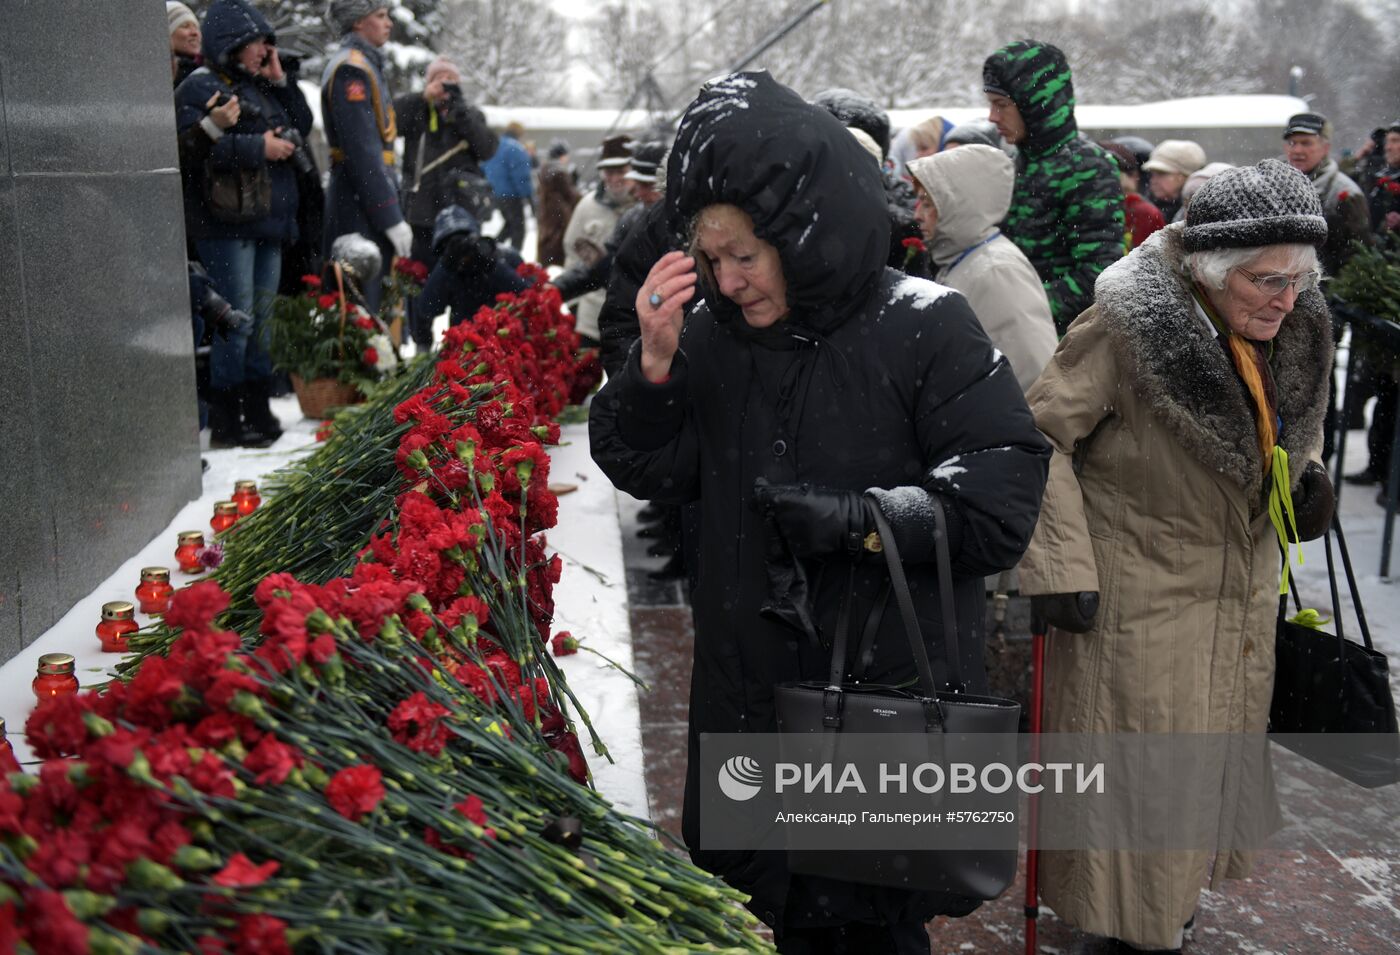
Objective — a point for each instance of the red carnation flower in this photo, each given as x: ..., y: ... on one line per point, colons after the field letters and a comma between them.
x: 242, y: 871
x: 326, y: 301
x: 56, y: 727
x: 417, y: 724
x: 363, y: 321
x: 196, y: 606
x: 273, y: 761
x: 1393, y: 187
x: 311, y: 281
x: 914, y: 243
x: 370, y: 357
x: 261, y: 935
x: 355, y: 791
x: 52, y: 927
x: 564, y: 644
x: 472, y: 808
x: 1343, y: 196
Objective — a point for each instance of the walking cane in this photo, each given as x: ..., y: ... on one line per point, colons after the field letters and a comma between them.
x: 1038, y: 630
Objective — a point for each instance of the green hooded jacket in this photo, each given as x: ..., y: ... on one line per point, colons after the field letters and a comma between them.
x: 1067, y: 208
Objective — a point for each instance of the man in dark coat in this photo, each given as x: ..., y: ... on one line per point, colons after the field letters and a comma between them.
x: 471, y: 271
x: 358, y: 113
x: 446, y: 140
x: 870, y: 379
x: 587, y: 277
x: 1067, y: 209
x: 243, y: 254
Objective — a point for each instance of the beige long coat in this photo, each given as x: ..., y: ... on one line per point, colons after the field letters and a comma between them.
x: 1156, y: 500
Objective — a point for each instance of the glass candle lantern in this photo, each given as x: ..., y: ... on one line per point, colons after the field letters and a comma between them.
x: 153, y: 593
x: 225, y: 516
x: 7, y: 752
x: 55, y: 676
x: 245, y: 495
x: 187, y: 554
x: 118, y: 620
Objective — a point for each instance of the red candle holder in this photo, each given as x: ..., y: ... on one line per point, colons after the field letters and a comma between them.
x: 7, y: 752
x: 245, y: 495
x: 55, y: 676
x: 118, y: 620
x: 153, y: 593
x: 225, y: 516
x: 187, y: 553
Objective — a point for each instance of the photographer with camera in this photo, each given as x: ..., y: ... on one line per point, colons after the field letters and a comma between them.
x: 446, y: 140
x: 246, y: 204
x: 471, y: 271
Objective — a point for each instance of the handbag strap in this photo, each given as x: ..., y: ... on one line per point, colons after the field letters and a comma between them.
x: 1351, y: 581
x: 900, y: 585
x: 865, y: 650
x: 1336, y: 529
x: 831, y: 696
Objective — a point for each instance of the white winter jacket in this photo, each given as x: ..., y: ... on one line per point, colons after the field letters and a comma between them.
x: 971, y: 188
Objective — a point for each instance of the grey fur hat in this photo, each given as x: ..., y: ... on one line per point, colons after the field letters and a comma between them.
x: 1269, y: 203
x: 342, y: 15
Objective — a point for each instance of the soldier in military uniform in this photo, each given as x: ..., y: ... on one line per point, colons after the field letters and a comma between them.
x: 358, y: 114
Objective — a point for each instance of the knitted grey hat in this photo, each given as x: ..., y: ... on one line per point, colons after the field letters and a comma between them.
x: 1269, y: 203
x: 344, y: 14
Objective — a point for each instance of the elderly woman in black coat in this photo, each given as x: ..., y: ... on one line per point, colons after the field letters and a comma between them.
x: 809, y: 374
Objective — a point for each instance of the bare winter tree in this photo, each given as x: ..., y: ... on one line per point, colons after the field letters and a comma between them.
x: 509, y: 51
x: 626, y: 42
x: 913, y: 53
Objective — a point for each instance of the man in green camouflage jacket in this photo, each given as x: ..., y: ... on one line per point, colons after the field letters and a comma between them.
x: 1067, y: 209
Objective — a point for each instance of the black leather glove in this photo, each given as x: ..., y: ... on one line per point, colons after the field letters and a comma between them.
x: 1071, y: 612
x: 1313, y: 502
x: 815, y: 521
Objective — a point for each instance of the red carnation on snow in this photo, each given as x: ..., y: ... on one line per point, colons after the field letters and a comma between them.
x: 564, y: 644
x: 355, y: 791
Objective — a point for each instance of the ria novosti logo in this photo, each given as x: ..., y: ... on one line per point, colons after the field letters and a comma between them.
x: 740, y: 778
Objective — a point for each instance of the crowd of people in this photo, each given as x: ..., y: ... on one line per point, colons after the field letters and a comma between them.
x: 1107, y: 364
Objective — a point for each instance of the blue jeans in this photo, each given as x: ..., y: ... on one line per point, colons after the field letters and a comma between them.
x: 246, y: 272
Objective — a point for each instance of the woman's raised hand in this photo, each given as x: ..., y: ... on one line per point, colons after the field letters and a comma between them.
x: 661, y: 313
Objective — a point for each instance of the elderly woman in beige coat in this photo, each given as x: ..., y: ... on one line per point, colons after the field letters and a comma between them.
x: 1195, y: 381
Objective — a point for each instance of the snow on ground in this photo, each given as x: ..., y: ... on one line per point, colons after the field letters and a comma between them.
x: 591, y: 599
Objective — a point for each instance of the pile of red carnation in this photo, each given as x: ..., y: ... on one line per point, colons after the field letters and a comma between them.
x: 390, y: 760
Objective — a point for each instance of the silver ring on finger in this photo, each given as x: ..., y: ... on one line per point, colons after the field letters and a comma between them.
x: 656, y: 298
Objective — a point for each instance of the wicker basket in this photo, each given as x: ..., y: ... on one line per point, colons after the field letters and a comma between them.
x: 320, y: 396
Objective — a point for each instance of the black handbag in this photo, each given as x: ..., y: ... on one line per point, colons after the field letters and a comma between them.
x: 957, y: 719
x: 1326, y: 685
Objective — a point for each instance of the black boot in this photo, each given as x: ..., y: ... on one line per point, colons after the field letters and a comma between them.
x: 226, y: 427
x: 225, y: 419
x: 258, y: 419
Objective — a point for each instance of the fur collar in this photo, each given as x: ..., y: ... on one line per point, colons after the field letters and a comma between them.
x: 1179, y: 370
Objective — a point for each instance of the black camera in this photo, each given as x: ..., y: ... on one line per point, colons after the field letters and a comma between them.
x: 218, y: 313
x: 301, y: 159
x: 469, y: 254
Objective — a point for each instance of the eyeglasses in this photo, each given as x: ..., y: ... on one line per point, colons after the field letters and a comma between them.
x: 1275, y: 284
